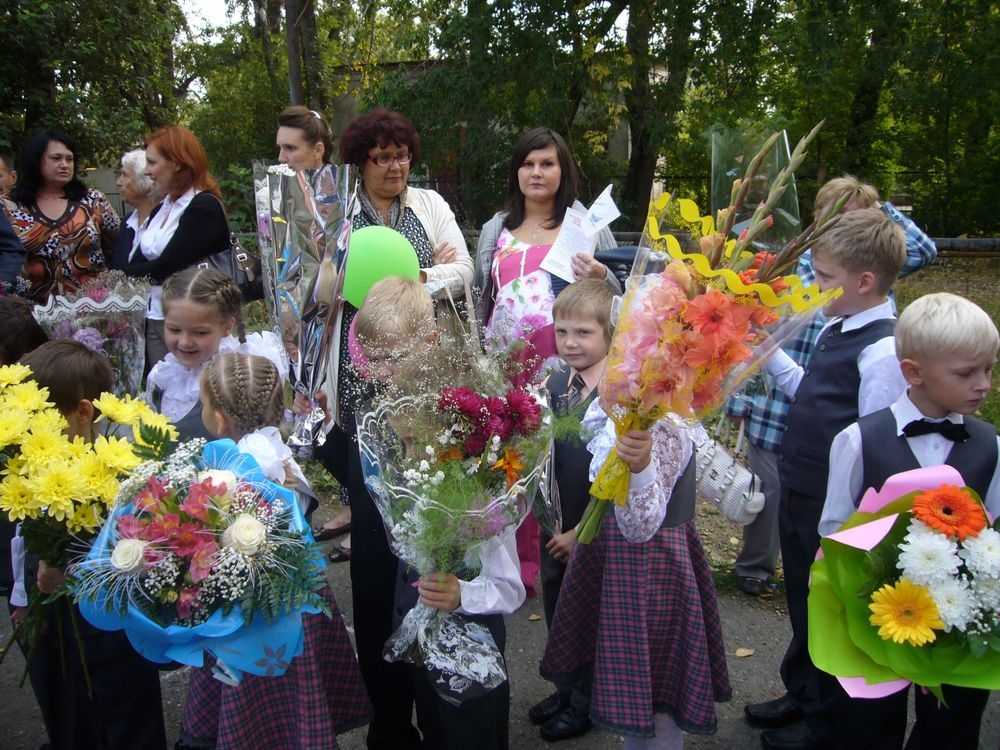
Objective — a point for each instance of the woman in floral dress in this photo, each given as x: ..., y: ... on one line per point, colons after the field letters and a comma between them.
x: 517, y: 294
x: 68, y: 230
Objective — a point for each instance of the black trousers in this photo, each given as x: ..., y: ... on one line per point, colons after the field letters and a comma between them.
x: 881, y: 724
x: 798, y: 530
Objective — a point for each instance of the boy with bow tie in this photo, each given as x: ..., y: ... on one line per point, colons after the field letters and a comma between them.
x: 947, y: 347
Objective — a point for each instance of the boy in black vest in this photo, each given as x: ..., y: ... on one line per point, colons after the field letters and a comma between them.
x: 852, y: 371
x: 947, y: 347
x: 582, y: 315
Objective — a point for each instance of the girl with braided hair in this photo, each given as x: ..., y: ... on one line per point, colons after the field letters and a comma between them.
x: 202, y: 310
x: 321, y: 693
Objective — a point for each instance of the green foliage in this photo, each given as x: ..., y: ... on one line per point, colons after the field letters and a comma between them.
x: 302, y: 577
x: 154, y: 443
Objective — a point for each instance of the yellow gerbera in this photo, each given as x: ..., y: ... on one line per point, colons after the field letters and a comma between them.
x: 906, y: 613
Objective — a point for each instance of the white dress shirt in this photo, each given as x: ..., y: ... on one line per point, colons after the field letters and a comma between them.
x: 847, y: 470
x: 881, y: 379
x: 158, y: 232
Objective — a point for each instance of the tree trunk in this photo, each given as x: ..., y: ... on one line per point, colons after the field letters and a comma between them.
x: 293, y: 41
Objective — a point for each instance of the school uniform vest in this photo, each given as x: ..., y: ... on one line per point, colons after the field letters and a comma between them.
x: 885, y: 452
x: 570, y: 458
x: 825, y: 402
x: 190, y: 426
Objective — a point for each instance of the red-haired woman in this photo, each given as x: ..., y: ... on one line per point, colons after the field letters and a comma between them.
x: 188, y: 226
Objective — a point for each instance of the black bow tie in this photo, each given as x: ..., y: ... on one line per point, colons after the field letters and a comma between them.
x: 954, y: 432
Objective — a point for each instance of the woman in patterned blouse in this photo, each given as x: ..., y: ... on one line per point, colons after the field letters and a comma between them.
x: 68, y: 230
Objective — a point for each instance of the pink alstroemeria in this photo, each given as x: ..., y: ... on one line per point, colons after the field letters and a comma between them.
x: 202, y: 559
x: 186, y: 601
x: 200, y: 499
x: 150, y: 497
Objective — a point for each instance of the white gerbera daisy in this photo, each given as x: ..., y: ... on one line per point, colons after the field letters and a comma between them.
x: 927, y: 557
x: 982, y: 553
x: 955, y: 602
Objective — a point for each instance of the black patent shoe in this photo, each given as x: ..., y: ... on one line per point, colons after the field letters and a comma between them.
x: 546, y: 709
x: 779, y: 712
x: 570, y: 723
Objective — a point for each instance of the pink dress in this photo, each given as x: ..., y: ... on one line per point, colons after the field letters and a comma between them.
x: 524, y: 298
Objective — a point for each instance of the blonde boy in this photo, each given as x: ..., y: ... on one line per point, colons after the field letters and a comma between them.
x: 947, y: 347
x: 582, y: 318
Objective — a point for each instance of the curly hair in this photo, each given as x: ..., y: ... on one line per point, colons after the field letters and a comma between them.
x: 381, y: 127
x: 246, y: 388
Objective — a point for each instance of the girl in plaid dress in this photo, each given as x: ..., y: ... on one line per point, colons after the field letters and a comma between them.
x: 321, y: 692
x: 637, y: 605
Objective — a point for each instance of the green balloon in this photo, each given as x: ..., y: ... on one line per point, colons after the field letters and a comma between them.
x: 376, y: 253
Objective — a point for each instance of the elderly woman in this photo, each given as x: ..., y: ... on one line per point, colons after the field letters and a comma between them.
x: 67, y: 229
x: 138, y: 191
x: 185, y: 228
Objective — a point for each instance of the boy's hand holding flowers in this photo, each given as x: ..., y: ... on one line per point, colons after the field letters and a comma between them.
x: 440, y: 591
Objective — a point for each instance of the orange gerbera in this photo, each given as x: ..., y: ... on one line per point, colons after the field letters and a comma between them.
x: 511, y: 466
x: 950, y: 510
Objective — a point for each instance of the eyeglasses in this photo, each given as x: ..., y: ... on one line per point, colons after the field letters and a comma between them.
x: 384, y: 160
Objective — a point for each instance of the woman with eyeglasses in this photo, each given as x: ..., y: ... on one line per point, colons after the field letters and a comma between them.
x: 382, y: 145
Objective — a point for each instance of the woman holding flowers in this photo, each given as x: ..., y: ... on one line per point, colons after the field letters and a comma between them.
x: 68, y: 230
x: 517, y: 294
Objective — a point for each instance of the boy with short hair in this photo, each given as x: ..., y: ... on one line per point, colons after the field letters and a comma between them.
x: 582, y: 319
x: 853, y: 371
x: 947, y: 347
x: 123, y: 709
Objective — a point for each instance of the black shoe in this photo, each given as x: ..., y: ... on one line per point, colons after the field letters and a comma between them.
x: 569, y: 724
x: 546, y: 709
x: 798, y: 736
x: 772, y: 714
x: 753, y: 586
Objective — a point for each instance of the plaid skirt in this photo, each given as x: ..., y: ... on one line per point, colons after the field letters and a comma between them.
x: 320, y: 695
x: 646, y: 617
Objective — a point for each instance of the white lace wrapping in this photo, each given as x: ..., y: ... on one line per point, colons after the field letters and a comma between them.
x: 649, y: 491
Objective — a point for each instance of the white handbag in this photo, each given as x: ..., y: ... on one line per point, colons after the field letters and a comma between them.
x: 726, y: 481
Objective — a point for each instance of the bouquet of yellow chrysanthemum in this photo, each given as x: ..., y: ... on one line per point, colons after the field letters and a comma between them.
x: 61, y: 488
x: 58, y: 487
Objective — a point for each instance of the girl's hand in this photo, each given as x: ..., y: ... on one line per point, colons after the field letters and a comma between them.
x: 561, y: 546
x: 440, y: 591
x: 587, y: 267
x: 635, y: 448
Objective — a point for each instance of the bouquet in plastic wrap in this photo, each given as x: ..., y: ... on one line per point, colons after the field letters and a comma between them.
x: 108, y: 315
x: 204, y: 554
x: 697, y: 320
x: 908, y: 590
x: 453, y: 459
x: 304, y: 226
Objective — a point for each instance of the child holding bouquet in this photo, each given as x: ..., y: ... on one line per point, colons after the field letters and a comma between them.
x: 637, y: 606
x: 947, y: 347
x: 397, y: 334
x: 321, y: 692
x: 122, y: 710
x: 202, y: 310
x: 582, y: 315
